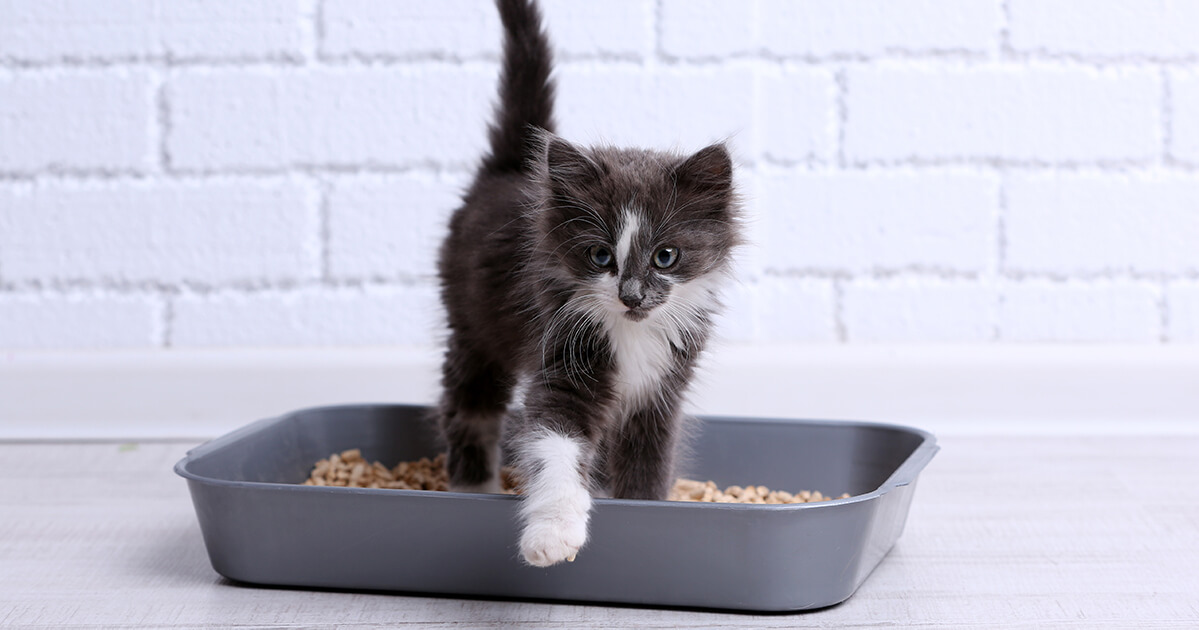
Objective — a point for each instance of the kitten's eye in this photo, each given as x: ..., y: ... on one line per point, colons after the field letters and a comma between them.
x: 600, y: 256
x: 666, y: 257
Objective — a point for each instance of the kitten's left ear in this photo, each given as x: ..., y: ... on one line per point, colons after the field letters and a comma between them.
x: 708, y: 171
x: 567, y: 164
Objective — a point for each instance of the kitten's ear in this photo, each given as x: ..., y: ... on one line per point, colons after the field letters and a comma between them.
x: 568, y: 165
x: 709, y: 171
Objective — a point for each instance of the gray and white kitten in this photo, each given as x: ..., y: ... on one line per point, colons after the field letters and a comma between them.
x: 590, y: 275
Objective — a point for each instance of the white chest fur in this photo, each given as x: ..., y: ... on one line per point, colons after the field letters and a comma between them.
x: 643, y: 355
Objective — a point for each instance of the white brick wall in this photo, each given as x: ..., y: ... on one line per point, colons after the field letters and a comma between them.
x: 210, y: 233
x: 77, y: 120
x: 916, y: 171
x: 80, y: 320
x: 1101, y: 222
x: 930, y: 310
x: 1157, y: 28
x: 389, y: 228
x: 1184, y: 107
x: 860, y: 222
x: 1072, y: 311
x: 1184, y: 318
x: 899, y: 111
x: 275, y: 119
x: 404, y: 315
x: 78, y: 30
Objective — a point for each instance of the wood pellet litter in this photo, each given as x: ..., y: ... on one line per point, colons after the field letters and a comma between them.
x: 349, y: 469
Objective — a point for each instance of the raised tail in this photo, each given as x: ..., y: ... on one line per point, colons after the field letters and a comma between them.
x: 526, y: 91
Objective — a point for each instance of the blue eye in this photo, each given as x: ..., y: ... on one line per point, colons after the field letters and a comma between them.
x: 600, y: 256
x: 666, y: 257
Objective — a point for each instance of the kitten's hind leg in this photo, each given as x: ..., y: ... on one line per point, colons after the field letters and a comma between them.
x: 476, y: 394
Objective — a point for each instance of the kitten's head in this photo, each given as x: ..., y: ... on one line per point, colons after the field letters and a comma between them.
x: 640, y: 235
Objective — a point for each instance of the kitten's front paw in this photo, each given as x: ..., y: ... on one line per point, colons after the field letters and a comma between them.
x: 546, y: 542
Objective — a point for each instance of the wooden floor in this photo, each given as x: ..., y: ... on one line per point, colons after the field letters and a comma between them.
x: 1028, y: 532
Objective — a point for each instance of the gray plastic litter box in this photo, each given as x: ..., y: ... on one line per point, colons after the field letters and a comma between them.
x: 262, y: 528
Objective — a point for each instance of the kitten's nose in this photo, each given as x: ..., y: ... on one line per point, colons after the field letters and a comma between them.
x: 631, y: 294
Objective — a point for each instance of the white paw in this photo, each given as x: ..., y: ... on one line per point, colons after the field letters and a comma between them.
x: 550, y: 539
x: 556, y: 504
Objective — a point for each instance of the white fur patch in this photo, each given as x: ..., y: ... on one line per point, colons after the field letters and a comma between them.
x: 644, y: 350
x: 628, y: 231
x: 643, y: 354
x: 556, y: 504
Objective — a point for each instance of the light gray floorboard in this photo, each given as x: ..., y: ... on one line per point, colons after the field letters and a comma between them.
x: 1023, y: 532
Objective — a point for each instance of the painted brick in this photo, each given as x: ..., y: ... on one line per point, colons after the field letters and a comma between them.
x: 778, y: 309
x: 1043, y: 114
x: 1079, y: 312
x: 871, y: 27
x: 737, y: 321
x: 796, y: 115
x: 1184, y: 97
x: 1106, y: 28
x: 1068, y: 223
x: 794, y: 310
x: 866, y: 221
x: 358, y: 117
x: 470, y: 29
x: 389, y: 228
x: 1183, y: 315
x: 612, y: 27
x: 708, y: 28
x: 456, y: 28
x: 76, y: 120
x: 919, y: 310
x: 683, y: 108
x: 400, y: 315
x: 208, y: 232
x: 36, y: 30
x: 749, y: 260
x: 44, y: 321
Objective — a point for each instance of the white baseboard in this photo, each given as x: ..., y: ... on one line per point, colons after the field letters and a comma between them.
x: 949, y: 390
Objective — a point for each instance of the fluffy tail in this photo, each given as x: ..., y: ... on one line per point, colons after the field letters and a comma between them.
x: 526, y: 91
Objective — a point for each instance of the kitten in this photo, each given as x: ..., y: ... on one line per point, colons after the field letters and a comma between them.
x: 590, y: 276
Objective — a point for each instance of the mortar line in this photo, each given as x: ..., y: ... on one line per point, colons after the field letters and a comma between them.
x: 324, y: 188
x: 163, y: 120
x: 318, y: 32
x: 1000, y: 251
x: 841, y: 106
x: 384, y: 60
x: 1163, y: 305
x: 658, y: 55
x: 1006, y: 52
x: 1167, y: 114
x: 1001, y: 243
x: 168, y: 321
x: 840, y: 327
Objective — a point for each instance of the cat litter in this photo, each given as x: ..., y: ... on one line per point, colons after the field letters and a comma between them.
x: 261, y: 525
x: 349, y: 469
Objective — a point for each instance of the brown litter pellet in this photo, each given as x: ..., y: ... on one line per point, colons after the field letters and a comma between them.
x: 349, y: 469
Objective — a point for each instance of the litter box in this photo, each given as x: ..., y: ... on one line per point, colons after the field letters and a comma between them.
x: 261, y: 527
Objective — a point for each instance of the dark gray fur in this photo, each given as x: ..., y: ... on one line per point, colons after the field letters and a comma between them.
x: 517, y: 255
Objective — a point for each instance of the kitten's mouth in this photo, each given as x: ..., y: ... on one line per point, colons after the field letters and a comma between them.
x: 636, y: 314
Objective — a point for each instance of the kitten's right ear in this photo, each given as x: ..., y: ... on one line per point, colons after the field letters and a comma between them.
x: 708, y: 171
x: 568, y: 165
